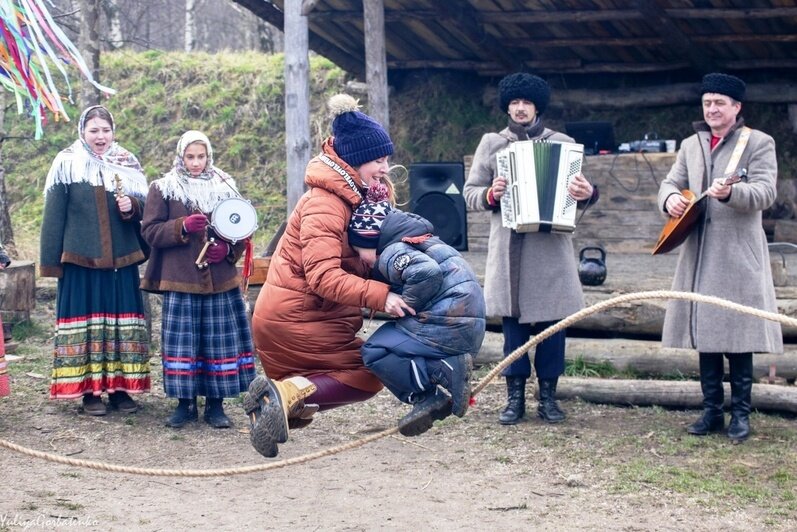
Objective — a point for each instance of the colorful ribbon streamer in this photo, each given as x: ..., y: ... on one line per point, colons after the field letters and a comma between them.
x: 30, y: 45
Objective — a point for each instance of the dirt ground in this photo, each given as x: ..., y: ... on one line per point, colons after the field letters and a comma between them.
x: 605, y: 468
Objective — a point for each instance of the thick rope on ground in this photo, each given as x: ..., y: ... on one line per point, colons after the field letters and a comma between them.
x: 225, y: 472
x: 517, y: 353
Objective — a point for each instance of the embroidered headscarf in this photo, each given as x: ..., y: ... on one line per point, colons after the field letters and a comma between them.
x: 78, y: 164
x: 202, y: 192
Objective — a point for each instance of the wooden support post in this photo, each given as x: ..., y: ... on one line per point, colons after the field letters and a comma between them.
x: 297, y: 100
x: 89, y: 46
x: 375, y: 61
x: 793, y: 116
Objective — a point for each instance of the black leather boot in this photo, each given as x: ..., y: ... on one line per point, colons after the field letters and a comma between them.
x: 516, y: 401
x: 713, y: 419
x: 548, y: 409
x: 741, y: 367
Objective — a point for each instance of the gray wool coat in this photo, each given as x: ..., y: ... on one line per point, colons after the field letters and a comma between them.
x: 529, y: 276
x: 726, y: 255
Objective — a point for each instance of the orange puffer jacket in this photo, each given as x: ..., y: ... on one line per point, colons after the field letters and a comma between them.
x: 308, y: 312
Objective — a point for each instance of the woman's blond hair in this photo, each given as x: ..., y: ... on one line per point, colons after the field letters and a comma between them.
x: 391, y: 186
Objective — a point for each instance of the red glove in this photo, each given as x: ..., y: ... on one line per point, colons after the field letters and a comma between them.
x: 195, y: 223
x: 217, y: 252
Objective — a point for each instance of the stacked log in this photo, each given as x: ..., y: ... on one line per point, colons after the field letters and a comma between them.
x: 675, y: 394
x: 645, y: 358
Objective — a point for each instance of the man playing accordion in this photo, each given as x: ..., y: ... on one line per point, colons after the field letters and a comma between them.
x: 531, y: 279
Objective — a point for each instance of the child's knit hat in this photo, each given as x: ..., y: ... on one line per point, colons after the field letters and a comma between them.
x: 365, y: 226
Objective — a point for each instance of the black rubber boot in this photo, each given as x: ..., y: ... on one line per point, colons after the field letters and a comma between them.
x: 713, y: 419
x: 516, y: 401
x: 741, y: 367
x: 548, y: 409
x: 453, y: 374
x: 432, y: 406
x: 214, y: 413
x: 185, y: 412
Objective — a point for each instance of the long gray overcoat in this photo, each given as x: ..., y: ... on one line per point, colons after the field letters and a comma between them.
x: 726, y: 255
x: 529, y: 276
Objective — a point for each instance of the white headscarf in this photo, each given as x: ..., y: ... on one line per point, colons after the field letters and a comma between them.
x: 202, y: 192
x: 78, y: 164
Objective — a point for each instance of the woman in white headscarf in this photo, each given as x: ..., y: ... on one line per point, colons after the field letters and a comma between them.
x: 206, y: 341
x: 90, y: 241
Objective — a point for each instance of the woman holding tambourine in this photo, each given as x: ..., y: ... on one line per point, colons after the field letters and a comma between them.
x: 206, y: 343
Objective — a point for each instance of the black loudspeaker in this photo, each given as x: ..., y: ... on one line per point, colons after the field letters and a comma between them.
x: 436, y: 194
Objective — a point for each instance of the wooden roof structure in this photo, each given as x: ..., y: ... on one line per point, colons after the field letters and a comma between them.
x: 558, y: 37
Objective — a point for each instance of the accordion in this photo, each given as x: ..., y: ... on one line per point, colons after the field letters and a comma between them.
x: 537, y: 173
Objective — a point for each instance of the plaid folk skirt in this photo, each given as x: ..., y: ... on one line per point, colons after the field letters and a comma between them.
x: 206, y: 345
x: 101, y: 339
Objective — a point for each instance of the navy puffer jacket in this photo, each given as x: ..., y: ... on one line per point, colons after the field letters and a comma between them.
x: 436, y: 281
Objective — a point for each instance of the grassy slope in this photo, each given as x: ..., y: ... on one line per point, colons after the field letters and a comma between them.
x: 237, y: 99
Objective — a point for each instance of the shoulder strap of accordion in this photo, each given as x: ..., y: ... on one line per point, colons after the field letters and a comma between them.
x: 547, y: 133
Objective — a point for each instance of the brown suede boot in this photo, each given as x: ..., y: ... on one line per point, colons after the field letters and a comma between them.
x: 269, y: 405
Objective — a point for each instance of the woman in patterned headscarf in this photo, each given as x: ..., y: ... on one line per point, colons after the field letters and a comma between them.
x: 94, y: 198
x: 206, y: 342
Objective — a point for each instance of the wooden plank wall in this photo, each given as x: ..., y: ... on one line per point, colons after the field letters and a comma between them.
x: 625, y: 220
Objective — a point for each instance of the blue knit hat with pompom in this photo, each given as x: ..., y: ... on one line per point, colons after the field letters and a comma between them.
x: 358, y: 138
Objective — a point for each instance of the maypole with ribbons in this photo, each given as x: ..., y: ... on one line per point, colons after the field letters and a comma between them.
x: 31, y: 44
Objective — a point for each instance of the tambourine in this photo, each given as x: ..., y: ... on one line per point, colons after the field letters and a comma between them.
x: 232, y: 219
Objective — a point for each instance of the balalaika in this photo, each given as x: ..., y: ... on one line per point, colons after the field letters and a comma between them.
x: 537, y: 173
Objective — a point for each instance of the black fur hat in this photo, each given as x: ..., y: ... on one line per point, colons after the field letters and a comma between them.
x: 526, y: 86
x: 726, y: 84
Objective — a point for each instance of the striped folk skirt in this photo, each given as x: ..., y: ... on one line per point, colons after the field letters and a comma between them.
x: 101, y: 339
x: 206, y: 345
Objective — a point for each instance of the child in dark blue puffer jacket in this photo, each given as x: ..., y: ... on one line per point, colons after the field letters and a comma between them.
x: 425, y: 359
